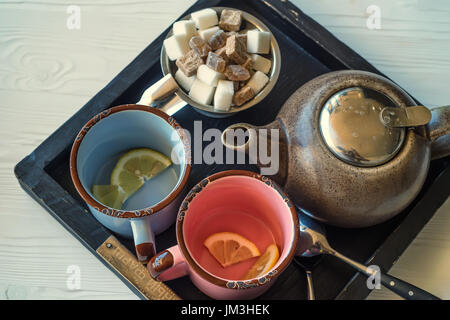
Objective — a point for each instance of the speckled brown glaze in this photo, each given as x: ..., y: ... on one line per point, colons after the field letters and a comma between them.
x: 438, y: 132
x: 336, y: 192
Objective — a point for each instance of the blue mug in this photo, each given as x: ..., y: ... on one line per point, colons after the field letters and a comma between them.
x: 98, y: 146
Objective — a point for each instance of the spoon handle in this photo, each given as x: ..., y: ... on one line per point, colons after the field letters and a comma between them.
x: 400, y: 287
x: 310, y: 292
x: 405, y: 289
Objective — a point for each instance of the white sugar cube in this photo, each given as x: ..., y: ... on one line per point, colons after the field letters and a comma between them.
x: 201, y: 92
x: 258, y: 81
x: 186, y: 27
x: 208, y: 33
x: 205, y: 18
x: 258, y: 41
x: 260, y: 63
x: 224, y: 95
x: 184, y: 81
x: 209, y: 76
x: 176, y: 46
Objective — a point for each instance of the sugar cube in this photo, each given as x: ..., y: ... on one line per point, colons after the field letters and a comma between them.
x: 258, y: 81
x: 199, y: 46
x: 243, y: 95
x: 235, y: 72
x: 184, y: 81
x: 176, y: 46
x: 235, y: 50
x: 206, y: 34
x: 205, y: 18
x: 222, y: 52
x: 186, y: 27
x: 242, y: 37
x: 248, y: 64
x: 217, y: 40
x: 189, y: 63
x: 258, y: 41
x: 209, y: 76
x: 260, y: 63
x: 201, y: 92
x: 216, y: 62
x: 224, y: 95
x: 230, y: 20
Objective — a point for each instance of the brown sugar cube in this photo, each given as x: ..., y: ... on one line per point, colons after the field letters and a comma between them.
x: 242, y: 84
x: 243, y: 95
x: 189, y: 63
x: 199, y: 46
x: 238, y: 85
x: 218, y: 40
x: 236, y: 72
x: 242, y: 37
x: 222, y: 52
x: 230, y: 20
x: 235, y: 50
x: 248, y: 64
x: 216, y: 62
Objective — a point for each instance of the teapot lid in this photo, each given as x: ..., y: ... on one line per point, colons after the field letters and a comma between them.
x: 352, y: 128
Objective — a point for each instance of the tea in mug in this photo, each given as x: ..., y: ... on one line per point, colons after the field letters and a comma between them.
x: 258, y: 237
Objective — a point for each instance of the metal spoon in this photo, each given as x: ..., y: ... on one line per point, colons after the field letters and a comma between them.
x: 314, y: 242
x: 308, y: 264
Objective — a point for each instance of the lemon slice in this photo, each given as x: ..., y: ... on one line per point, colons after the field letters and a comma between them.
x: 264, y: 263
x: 109, y: 195
x: 229, y: 248
x: 136, y: 166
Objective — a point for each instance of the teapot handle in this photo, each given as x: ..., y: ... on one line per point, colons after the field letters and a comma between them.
x: 439, y: 132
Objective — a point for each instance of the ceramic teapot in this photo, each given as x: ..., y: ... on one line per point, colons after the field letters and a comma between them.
x: 354, y: 147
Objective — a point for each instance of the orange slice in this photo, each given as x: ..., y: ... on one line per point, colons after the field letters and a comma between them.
x: 264, y: 263
x: 229, y: 248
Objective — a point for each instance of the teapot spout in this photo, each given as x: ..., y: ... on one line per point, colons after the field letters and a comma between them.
x: 438, y: 130
x: 266, y: 147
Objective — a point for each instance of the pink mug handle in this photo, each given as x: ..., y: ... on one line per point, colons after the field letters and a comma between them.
x: 168, y: 264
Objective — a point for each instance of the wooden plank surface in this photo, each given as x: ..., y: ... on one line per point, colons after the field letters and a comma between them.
x: 47, y: 72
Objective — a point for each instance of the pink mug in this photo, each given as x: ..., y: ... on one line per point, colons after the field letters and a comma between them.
x: 236, y: 201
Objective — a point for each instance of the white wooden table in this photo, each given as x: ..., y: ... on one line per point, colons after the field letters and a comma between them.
x: 47, y: 72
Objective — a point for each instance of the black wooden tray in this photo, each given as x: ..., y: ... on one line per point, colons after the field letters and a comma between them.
x: 307, y: 50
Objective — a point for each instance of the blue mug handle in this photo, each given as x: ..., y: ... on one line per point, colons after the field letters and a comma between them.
x: 144, y: 238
